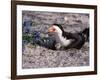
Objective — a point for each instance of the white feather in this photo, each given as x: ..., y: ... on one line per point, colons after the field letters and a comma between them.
x: 63, y: 41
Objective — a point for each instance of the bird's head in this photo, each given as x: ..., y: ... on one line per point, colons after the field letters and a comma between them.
x: 56, y: 28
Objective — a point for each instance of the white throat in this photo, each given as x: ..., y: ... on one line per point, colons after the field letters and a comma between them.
x: 64, y: 41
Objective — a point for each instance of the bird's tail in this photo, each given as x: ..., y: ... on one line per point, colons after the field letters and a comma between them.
x: 85, y: 32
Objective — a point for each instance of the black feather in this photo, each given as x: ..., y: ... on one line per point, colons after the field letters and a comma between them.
x: 86, y: 33
x: 78, y: 38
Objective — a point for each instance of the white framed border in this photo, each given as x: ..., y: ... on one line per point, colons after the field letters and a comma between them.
x: 21, y: 71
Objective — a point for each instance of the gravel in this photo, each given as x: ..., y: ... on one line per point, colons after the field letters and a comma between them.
x: 34, y: 56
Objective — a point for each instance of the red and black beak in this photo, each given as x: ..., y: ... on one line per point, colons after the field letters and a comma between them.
x: 51, y: 29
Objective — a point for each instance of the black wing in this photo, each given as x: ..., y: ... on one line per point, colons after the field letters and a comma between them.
x: 78, y: 40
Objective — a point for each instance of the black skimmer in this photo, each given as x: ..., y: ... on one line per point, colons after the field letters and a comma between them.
x: 69, y: 40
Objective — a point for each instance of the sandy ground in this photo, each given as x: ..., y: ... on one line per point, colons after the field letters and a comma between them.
x: 34, y: 56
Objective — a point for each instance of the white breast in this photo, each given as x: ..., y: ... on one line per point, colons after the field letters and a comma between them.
x: 64, y: 41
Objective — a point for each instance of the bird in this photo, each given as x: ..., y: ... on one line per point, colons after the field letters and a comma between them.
x: 69, y: 40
